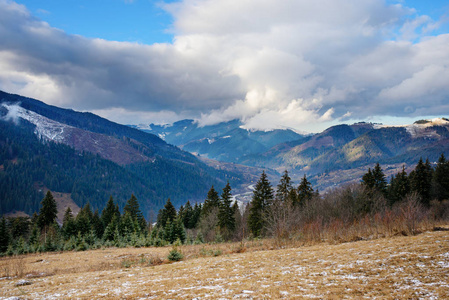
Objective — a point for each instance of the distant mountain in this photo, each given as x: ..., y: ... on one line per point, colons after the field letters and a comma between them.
x: 339, y: 154
x: 91, y: 158
x: 226, y: 141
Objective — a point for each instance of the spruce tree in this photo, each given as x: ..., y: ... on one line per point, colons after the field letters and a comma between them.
x: 284, y: 187
x: 84, y: 220
x: 262, y: 199
x: 440, y: 186
x: 212, y: 201
x: 368, y: 179
x: 132, y: 207
x: 109, y: 212
x: 97, y: 225
x: 48, y: 211
x: 421, y: 180
x: 399, y: 187
x: 197, y: 209
x: 187, y: 216
x: 380, y: 183
x: 226, y: 219
x: 165, y: 214
x: 69, y: 225
x: 305, y: 191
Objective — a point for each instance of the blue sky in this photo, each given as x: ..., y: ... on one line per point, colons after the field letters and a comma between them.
x: 273, y: 64
x: 142, y: 21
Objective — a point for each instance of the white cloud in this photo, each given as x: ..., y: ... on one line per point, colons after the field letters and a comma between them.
x: 270, y: 63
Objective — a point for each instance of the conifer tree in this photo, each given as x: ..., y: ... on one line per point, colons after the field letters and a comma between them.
x: 48, y: 211
x: 399, y: 187
x: 380, y: 183
x: 109, y: 212
x: 262, y: 199
x: 226, y: 219
x: 187, y: 216
x: 421, y: 180
x: 97, y: 225
x: 197, y: 209
x: 212, y: 201
x: 305, y: 191
x: 284, y: 187
x: 68, y: 224
x: 165, y: 214
x: 132, y: 207
x: 441, y: 179
x: 84, y: 220
x: 368, y: 179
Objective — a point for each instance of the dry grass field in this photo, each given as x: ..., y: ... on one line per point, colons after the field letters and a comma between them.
x: 400, y: 267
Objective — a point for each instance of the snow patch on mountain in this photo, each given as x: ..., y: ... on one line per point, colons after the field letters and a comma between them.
x: 45, y: 128
x: 420, y: 128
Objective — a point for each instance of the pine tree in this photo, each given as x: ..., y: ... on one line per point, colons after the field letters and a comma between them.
x: 380, y: 183
x: 4, y: 236
x: 399, y: 187
x: 284, y: 187
x: 440, y: 186
x: 68, y: 224
x: 84, y: 220
x: 197, y: 209
x: 48, y: 211
x: 421, y: 180
x: 132, y: 207
x: 305, y: 191
x: 97, y: 225
x: 165, y: 214
x: 187, y: 215
x: 109, y: 212
x: 226, y: 219
x: 262, y: 199
x: 212, y: 201
x: 368, y: 179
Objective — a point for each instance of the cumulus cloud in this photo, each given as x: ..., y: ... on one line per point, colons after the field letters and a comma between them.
x: 272, y: 64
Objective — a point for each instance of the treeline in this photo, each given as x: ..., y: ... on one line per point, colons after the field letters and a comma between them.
x: 372, y: 207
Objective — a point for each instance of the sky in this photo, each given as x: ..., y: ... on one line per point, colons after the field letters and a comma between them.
x: 296, y: 64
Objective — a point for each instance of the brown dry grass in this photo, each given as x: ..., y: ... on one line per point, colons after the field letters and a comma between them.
x: 400, y: 267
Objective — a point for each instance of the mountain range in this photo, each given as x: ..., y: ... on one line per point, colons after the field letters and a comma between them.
x: 90, y: 158
x: 341, y: 149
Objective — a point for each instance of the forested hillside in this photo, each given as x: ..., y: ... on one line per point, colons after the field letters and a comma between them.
x: 29, y: 163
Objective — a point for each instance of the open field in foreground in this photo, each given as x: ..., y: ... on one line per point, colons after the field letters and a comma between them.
x: 404, y: 267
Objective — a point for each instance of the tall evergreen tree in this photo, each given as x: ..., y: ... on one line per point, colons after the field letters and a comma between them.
x: 262, y: 199
x: 440, y: 186
x: 380, y: 183
x: 48, y: 211
x: 109, y: 212
x: 305, y: 191
x: 212, y: 201
x: 284, y: 187
x: 399, y: 187
x: 226, y: 219
x: 132, y: 206
x: 165, y: 214
x: 368, y: 179
x: 97, y: 225
x: 421, y: 180
x: 84, y: 220
x: 187, y: 216
x: 197, y: 209
x: 68, y: 224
